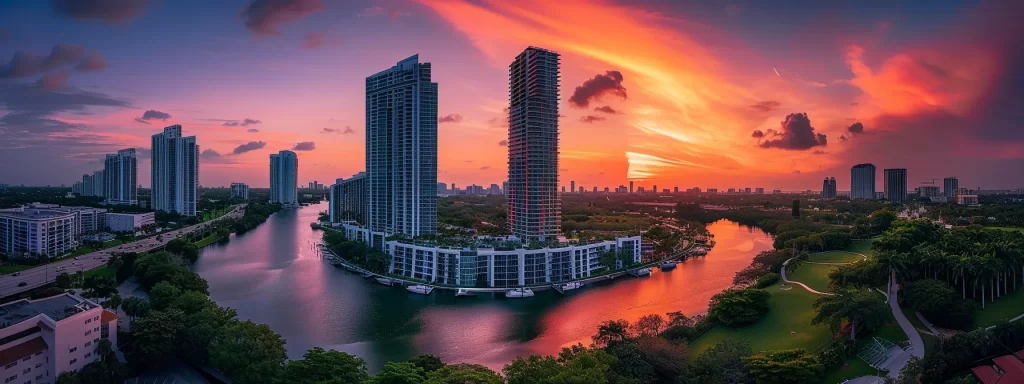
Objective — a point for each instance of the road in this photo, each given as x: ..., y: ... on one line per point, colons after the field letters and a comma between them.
x: 45, y: 274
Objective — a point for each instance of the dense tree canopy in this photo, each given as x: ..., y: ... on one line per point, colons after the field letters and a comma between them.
x: 737, y: 308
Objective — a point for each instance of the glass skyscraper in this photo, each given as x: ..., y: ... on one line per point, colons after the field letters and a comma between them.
x: 175, y: 176
x: 401, y: 150
x: 949, y: 186
x: 119, y: 178
x: 284, y: 178
x: 896, y: 185
x: 862, y: 181
x: 535, y: 209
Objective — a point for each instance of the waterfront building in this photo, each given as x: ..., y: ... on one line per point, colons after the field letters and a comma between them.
x: 129, y: 222
x: 401, y: 150
x: 284, y: 176
x: 45, y: 231
x: 950, y: 185
x: 88, y: 220
x: 712, y: 191
x: 240, y: 191
x: 928, y: 191
x: 895, y: 185
x: 348, y: 200
x: 862, y: 181
x: 119, y: 177
x: 828, y: 188
x: 175, y: 173
x: 41, y: 339
x: 622, y: 189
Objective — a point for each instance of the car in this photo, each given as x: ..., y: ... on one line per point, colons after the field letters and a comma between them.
x: 22, y: 284
x: 16, y: 274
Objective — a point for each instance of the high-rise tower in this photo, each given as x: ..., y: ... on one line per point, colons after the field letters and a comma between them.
x: 535, y: 210
x: 175, y: 176
x: 895, y: 185
x: 862, y: 181
x: 284, y: 178
x: 119, y: 177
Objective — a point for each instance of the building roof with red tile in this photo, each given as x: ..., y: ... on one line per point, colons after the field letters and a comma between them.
x: 1010, y: 370
x: 108, y: 316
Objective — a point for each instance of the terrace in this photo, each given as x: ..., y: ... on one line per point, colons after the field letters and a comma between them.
x: 56, y: 308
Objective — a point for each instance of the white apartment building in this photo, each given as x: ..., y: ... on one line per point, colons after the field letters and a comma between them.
x: 40, y: 339
x: 49, y: 232
x: 119, y: 177
x: 129, y: 222
x: 240, y: 191
x: 175, y: 176
x: 284, y: 178
x: 88, y: 220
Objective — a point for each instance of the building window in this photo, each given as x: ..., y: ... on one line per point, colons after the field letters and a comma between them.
x: 38, y: 353
x: 89, y: 332
x: 87, y: 321
x: 72, y: 350
x: 38, y: 365
x: 8, y: 366
x: 39, y: 377
x: 73, y: 361
x: 88, y: 354
x: 97, y: 329
x: 97, y: 318
x: 26, y: 358
x: 88, y: 343
x: 26, y: 370
x: 10, y: 379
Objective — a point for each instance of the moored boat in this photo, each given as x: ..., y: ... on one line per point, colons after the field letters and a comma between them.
x: 367, y: 275
x: 420, y: 289
x: 572, y: 285
x: 667, y: 265
x: 519, y: 293
x: 464, y: 293
x: 642, y: 272
x: 385, y: 280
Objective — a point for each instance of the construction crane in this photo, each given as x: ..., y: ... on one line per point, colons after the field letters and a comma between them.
x: 929, y: 182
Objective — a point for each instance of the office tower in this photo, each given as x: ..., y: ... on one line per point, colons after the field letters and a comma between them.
x: 572, y: 186
x: 675, y: 189
x: 563, y: 188
x: 595, y: 189
x: 631, y: 186
x: 928, y: 191
x: 453, y: 188
x: 759, y: 191
x: 348, y: 200
x: 240, y: 191
x: 442, y: 188
x: 895, y: 185
x: 828, y: 188
x: 99, y: 184
x: 401, y: 150
x: 504, y: 187
x: 949, y: 186
x: 862, y: 181
x: 535, y: 210
x: 284, y: 177
x: 119, y: 177
x: 746, y: 190
x: 175, y: 173
x: 654, y: 188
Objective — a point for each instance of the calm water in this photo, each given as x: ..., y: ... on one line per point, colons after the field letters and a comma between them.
x: 274, y: 275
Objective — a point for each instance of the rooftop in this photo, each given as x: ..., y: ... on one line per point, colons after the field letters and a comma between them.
x: 36, y: 214
x: 56, y: 308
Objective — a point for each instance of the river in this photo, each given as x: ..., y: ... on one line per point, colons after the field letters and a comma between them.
x: 274, y: 275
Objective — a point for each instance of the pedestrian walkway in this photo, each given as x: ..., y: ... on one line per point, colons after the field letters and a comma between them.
x: 809, y: 289
x: 916, y: 343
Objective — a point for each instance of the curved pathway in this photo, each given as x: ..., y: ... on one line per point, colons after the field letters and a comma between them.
x: 916, y: 343
x: 809, y: 289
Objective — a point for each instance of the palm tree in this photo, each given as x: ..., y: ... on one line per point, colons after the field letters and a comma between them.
x: 892, y: 261
x: 858, y: 306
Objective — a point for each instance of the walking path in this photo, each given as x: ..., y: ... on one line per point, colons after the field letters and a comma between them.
x: 916, y: 343
x: 809, y: 289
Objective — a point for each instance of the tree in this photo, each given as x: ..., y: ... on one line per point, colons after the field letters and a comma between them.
x: 155, y: 338
x: 678, y: 319
x: 576, y: 365
x: 398, y: 373
x: 192, y: 302
x: 202, y: 328
x: 64, y: 281
x: 736, y: 308
x: 862, y: 308
x: 46, y: 292
x: 667, y: 358
x: 248, y: 353
x: 135, y: 307
x: 464, y: 374
x: 99, y: 286
x: 113, y: 302
x: 162, y: 295
x: 882, y: 219
x: 428, y: 363
x: 796, y: 208
x: 939, y: 303
x: 629, y: 365
x: 190, y: 253
x: 175, y: 246
x: 611, y: 331
x: 648, y: 325
x: 721, y: 364
x: 68, y: 378
x: 784, y: 367
x: 320, y: 366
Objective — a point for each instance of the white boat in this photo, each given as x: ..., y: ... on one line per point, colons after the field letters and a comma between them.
x: 643, y: 272
x: 367, y: 275
x: 699, y: 251
x: 668, y: 265
x: 572, y: 285
x: 348, y: 267
x: 420, y: 289
x: 385, y: 280
x: 519, y: 293
x: 464, y: 293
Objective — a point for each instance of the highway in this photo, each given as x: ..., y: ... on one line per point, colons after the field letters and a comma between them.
x: 45, y: 274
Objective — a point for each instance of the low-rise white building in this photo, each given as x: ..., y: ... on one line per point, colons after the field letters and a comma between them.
x: 129, y: 222
x: 48, y: 232
x: 967, y: 199
x: 40, y: 339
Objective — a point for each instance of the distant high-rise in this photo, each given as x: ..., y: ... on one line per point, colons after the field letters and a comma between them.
x: 895, y: 185
x: 348, y: 200
x: 284, y: 178
x: 862, y: 181
x: 572, y: 186
x: 119, y: 177
x: 401, y: 150
x: 99, y: 183
x: 949, y: 186
x: 631, y: 186
x: 175, y: 172
x: 828, y: 188
x: 535, y: 209
x: 240, y: 191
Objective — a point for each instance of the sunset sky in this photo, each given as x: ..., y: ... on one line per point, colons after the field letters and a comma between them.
x: 674, y: 93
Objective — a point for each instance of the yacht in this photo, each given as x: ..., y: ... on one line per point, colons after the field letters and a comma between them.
x: 464, y: 293
x: 420, y: 289
x: 348, y: 267
x: 642, y: 272
x: 572, y: 285
x: 667, y: 265
x: 367, y: 275
x: 518, y: 293
x: 385, y: 280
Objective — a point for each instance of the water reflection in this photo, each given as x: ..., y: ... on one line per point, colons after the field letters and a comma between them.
x: 274, y: 275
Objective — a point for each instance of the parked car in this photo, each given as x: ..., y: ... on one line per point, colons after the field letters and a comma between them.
x: 16, y: 274
x: 22, y: 284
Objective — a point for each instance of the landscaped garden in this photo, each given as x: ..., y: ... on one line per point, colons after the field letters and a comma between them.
x: 1001, y: 310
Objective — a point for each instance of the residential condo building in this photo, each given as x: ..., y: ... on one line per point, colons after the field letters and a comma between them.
x: 240, y: 191
x: 828, y: 188
x: 401, y: 151
x: 175, y: 173
x: 862, y: 181
x: 535, y: 209
x: 949, y: 186
x: 29, y: 232
x: 119, y: 175
x: 348, y: 200
x: 284, y: 178
x: 895, y: 185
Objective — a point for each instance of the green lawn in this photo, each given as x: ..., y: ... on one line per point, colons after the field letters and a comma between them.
x: 112, y: 243
x: 1002, y: 310
x: 787, y: 325
x: 1007, y: 228
x: 855, y: 367
x: 835, y: 257
x: 82, y: 250
x: 814, y: 275
x: 930, y: 342
x: 215, y: 214
x: 104, y: 271
x: 207, y: 241
x: 862, y: 246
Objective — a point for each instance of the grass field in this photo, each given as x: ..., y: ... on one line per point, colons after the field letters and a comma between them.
x: 215, y: 214
x: 787, y: 325
x: 862, y: 246
x: 835, y: 257
x: 1019, y: 229
x: 207, y: 241
x: 1002, y: 310
x: 814, y: 275
x: 105, y: 271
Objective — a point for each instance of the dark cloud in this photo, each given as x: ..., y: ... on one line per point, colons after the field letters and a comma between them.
x: 153, y: 114
x: 766, y: 106
x: 304, y: 146
x: 757, y: 134
x: 796, y: 171
x: 484, y: 168
x: 26, y: 64
x: 30, y: 108
x: 209, y: 154
x: 503, y: 143
x: 795, y: 133
x: 53, y: 80
x: 591, y: 118
x: 111, y: 11
x: 328, y: 130
x: 606, y: 109
x: 819, y: 152
x: 250, y: 146
x: 252, y: 130
x: 318, y: 39
x: 452, y: 118
x: 348, y: 130
x: 842, y: 138
x: 244, y: 123
x: 264, y: 16
x: 854, y: 104
x: 94, y: 62
x: 856, y: 128
x: 600, y: 85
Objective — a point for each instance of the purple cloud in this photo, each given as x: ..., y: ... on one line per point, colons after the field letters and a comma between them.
x: 795, y: 133
x: 152, y: 115
x: 606, y: 109
x: 856, y: 128
x: 503, y: 143
x: 451, y: 118
x: 111, y: 11
x: 264, y: 16
x: 53, y: 80
x: 766, y: 106
x: 304, y: 146
x: 250, y: 146
x: 600, y: 85
x: 252, y: 130
x: 591, y: 119
x: 94, y: 62
x: 25, y: 64
x: 318, y: 39
x: 244, y: 123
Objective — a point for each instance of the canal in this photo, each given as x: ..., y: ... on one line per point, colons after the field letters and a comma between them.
x: 274, y: 275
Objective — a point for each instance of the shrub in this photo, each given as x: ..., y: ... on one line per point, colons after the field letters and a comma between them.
x: 767, y: 280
